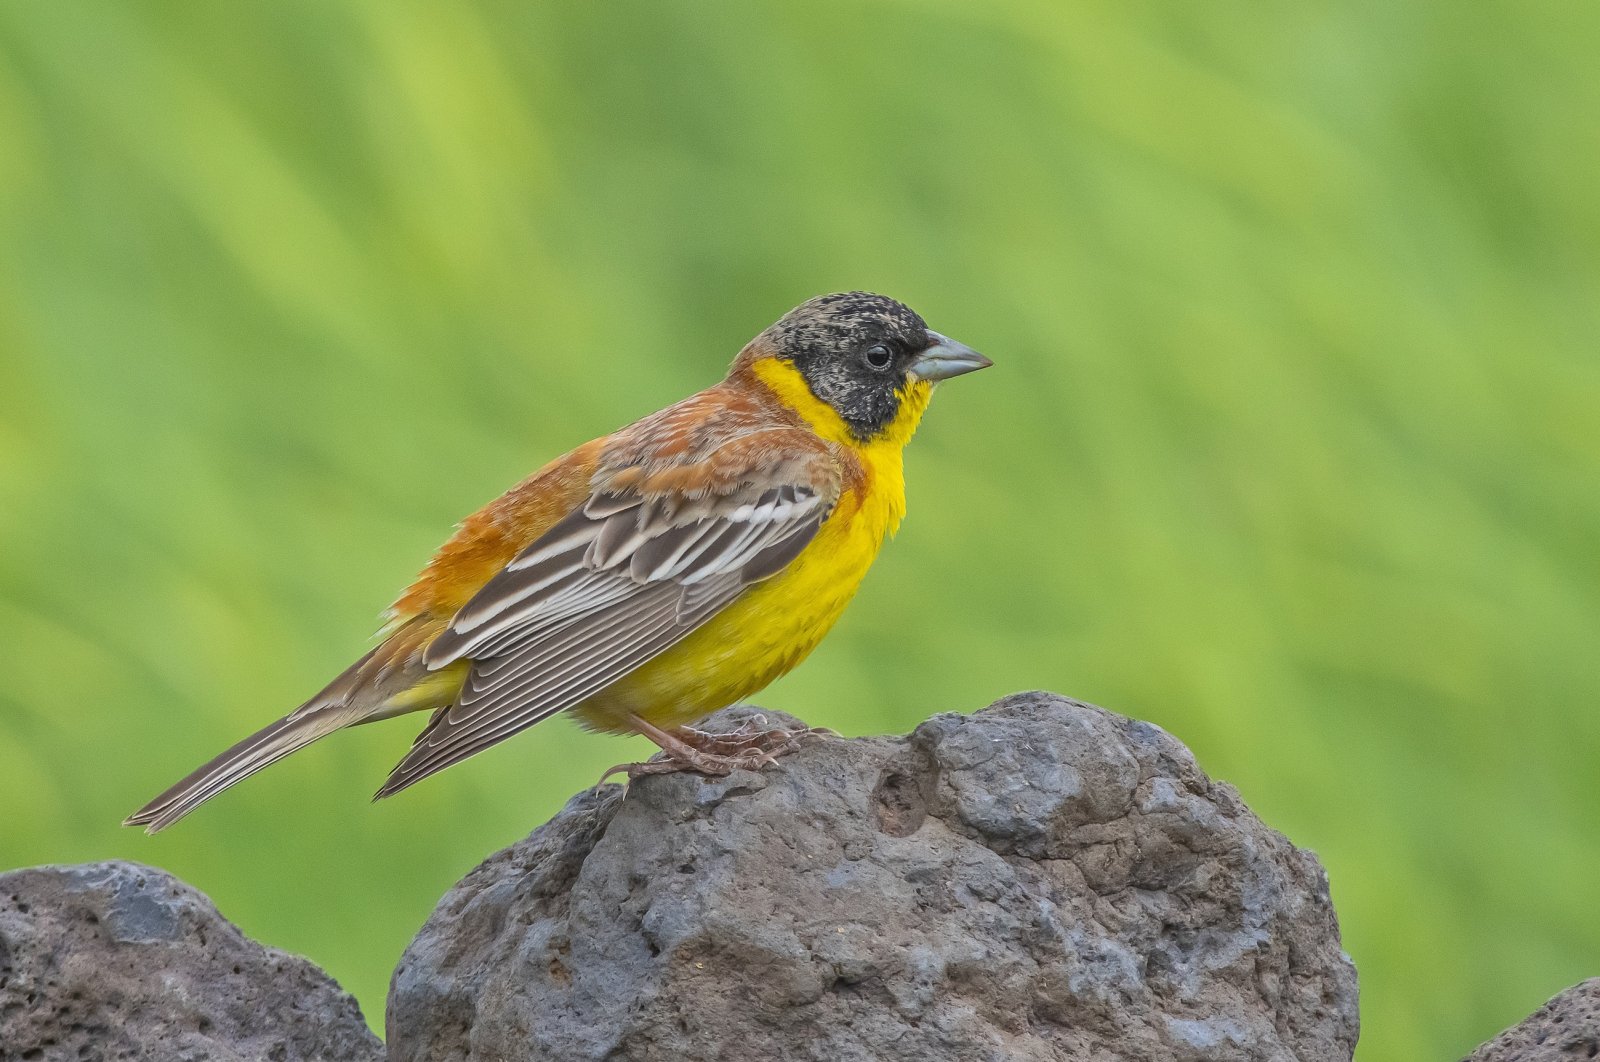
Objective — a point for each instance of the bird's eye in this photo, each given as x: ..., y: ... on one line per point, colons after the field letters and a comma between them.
x: 878, y: 357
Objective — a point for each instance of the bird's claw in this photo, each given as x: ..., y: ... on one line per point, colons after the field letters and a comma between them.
x: 753, y: 733
x: 751, y: 747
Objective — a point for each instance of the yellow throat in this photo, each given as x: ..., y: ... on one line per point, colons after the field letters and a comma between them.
x: 881, y: 454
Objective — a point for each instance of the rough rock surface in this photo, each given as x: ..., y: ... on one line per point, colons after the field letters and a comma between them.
x: 1040, y: 880
x: 111, y: 961
x: 1566, y: 1029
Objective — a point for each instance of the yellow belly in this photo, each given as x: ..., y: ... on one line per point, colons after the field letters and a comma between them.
x: 764, y: 633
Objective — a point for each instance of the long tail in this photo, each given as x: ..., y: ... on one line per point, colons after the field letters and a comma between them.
x: 390, y: 680
x: 266, y: 746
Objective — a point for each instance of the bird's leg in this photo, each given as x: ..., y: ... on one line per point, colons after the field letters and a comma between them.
x: 753, y: 733
x: 687, y: 749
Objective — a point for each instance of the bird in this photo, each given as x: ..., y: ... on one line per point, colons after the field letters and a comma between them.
x: 651, y: 576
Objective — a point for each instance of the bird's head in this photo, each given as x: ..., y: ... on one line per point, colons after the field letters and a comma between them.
x: 871, y: 360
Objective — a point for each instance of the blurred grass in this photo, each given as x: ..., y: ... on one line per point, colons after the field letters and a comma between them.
x: 1291, y: 445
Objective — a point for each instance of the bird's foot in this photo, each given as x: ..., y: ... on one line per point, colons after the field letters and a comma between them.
x: 753, y: 733
x: 693, y: 759
x: 748, y: 748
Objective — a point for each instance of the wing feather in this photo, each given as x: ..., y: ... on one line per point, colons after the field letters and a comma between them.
x: 624, y: 577
x: 550, y: 677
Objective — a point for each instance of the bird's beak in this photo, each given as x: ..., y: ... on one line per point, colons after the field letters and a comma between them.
x: 946, y: 358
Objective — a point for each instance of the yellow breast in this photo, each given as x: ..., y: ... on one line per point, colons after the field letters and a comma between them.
x: 776, y: 623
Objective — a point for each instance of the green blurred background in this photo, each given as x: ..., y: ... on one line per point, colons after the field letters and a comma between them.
x: 1291, y: 445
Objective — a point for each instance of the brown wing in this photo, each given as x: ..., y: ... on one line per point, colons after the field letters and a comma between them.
x: 655, y: 551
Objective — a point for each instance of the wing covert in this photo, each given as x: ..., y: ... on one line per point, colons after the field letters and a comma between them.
x: 627, y: 575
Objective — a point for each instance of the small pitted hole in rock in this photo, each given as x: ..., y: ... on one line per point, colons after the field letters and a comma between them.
x: 898, y: 804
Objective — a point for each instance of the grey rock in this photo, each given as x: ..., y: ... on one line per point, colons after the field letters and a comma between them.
x: 1563, y: 1030
x: 1040, y: 880
x: 116, y: 961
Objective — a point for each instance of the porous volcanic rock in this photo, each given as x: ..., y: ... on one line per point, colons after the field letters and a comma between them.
x: 1042, y: 879
x: 116, y: 961
x: 1566, y: 1029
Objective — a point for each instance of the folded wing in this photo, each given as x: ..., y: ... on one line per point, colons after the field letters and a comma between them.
x: 634, y: 570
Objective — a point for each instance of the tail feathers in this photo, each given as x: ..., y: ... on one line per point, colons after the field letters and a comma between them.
x: 264, y: 747
x: 389, y: 680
